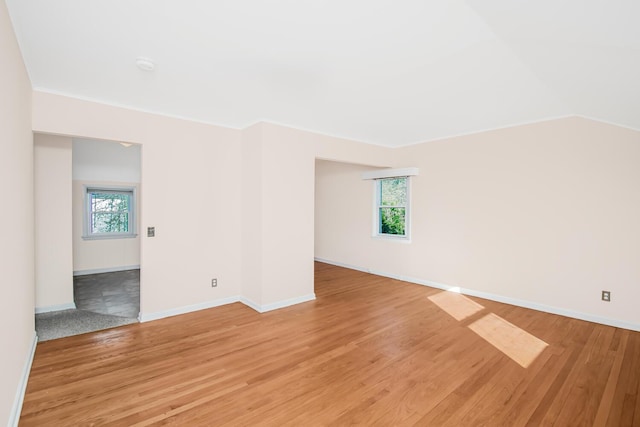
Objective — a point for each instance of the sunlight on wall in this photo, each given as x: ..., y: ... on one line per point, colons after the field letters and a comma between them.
x: 518, y: 344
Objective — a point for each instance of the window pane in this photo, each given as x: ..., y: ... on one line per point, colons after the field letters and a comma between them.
x: 393, y: 192
x: 102, y: 222
x: 109, y: 202
x: 392, y: 221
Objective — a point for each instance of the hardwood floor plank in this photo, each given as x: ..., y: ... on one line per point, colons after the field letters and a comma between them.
x: 617, y: 352
x: 368, y: 351
x: 625, y: 408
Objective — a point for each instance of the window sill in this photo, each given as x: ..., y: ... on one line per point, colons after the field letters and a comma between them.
x: 391, y: 238
x: 109, y: 236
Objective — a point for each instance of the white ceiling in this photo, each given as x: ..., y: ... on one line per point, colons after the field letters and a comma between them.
x: 105, y: 161
x: 382, y: 72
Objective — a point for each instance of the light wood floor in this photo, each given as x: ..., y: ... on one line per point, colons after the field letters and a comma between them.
x: 368, y: 351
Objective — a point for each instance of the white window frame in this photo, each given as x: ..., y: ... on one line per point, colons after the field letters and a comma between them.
x: 86, y: 231
x: 376, y: 232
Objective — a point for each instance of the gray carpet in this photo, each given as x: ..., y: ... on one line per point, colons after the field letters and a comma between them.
x: 65, y: 323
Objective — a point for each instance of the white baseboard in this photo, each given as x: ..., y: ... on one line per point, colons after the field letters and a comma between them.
x: 105, y: 270
x: 16, y: 409
x: 340, y: 264
x: 58, y: 307
x: 499, y: 298
x: 147, y: 317
x: 277, y: 305
x: 251, y: 304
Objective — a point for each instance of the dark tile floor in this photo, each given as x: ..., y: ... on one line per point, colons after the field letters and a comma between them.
x: 117, y: 293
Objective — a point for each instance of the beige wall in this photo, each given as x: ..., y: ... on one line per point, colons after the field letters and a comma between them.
x: 285, y: 218
x: 100, y: 255
x: 545, y: 214
x: 264, y: 171
x: 287, y: 221
x: 191, y: 194
x: 538, y: 214
x: 252, y: 189
x: 16, y: 216
x: 343, y: 215
x: 53, y: 245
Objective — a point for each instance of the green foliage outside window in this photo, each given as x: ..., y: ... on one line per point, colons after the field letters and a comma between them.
x: 109, y: 212
x: 392, y: 208
x: 392, y: 221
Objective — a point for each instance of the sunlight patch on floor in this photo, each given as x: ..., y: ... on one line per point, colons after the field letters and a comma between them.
x: 516, y: 343
x: 457, y: 305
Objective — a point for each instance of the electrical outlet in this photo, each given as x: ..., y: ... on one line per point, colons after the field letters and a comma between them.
x: 606, y: 296
x: 214, y: 283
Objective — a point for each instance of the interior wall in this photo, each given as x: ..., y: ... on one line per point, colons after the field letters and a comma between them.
x: 544, y: 214
x: 252, y: 189
x: 288, y: 210
x: 53, y: 225
x: 191, y: 195
x: 194, y: 179
x: 508, y: 213
x: 104, y: 164
x: 17, y: 216
x: 287, y: 177
x: 344, y: 220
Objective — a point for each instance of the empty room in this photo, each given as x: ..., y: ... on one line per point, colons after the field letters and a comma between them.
x: 341, y: 213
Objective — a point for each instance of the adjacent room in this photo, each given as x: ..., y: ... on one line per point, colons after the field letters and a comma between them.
x: 86, y: 194
x: 370, y: 213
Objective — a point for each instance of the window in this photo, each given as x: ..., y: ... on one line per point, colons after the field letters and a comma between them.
x: 392, y: 207
x: 109, y: 213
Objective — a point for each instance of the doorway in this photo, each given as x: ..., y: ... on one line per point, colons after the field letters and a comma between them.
x: 93, y: 246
